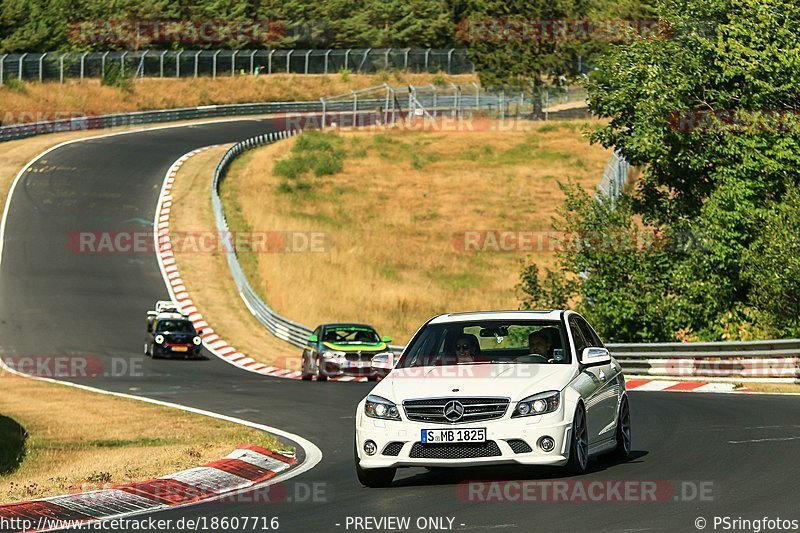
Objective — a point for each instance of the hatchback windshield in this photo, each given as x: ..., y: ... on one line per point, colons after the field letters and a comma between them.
x: 517, y: 342
x: 175, y: 326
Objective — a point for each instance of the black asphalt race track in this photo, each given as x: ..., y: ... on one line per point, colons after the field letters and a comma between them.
x: 736, y: 454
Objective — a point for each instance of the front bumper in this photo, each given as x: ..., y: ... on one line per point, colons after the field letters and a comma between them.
x: 192, y: 350
x: 504, y: 433
x: 337, y: 367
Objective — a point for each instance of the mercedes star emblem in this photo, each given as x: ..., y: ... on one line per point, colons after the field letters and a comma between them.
x: 453, y: 411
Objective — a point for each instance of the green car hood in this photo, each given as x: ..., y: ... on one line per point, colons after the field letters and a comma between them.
x: 377, y: 347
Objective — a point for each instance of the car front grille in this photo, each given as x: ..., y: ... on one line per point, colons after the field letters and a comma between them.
x: 393, y: 449
x: 519, y: 446
x: 465, y: 450
x: 475, y: 409
x: 360, y: 356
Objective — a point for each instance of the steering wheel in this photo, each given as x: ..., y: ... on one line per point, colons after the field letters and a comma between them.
x: 525, y: 358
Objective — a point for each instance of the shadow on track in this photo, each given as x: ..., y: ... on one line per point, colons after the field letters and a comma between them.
x: 454, y: 476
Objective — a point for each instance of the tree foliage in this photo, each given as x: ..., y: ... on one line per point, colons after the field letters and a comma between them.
x: 709, y: 113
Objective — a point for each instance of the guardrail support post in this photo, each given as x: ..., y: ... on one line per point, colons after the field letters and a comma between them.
x: 355, y: 107
x: 324, y: 113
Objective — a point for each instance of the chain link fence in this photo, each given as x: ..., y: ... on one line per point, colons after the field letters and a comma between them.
x: 217, y: 63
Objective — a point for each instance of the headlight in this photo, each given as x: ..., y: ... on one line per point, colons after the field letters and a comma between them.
x: 377, y: 407
x: 159, y: 339
x: 332, y: 354
x: 197, y: 341
x: 538, y: 404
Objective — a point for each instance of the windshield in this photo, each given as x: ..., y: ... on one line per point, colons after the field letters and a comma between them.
x: 517, y: 342
x: 351, y: 335
x: 175, y: 326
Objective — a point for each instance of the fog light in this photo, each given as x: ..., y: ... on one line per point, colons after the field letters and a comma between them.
x: 547, y: 444
x: 370, y: 448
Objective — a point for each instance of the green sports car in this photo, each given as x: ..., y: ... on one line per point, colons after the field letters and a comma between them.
x: 342, y: 349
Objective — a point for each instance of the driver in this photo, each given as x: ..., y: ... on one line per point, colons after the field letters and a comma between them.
x: 539, y: 344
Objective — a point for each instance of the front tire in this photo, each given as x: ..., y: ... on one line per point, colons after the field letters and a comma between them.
x: 321, y: 376
x: 305, y: 375
x: 373, y: 478
x: 623, y: 449
x: 579, y: 446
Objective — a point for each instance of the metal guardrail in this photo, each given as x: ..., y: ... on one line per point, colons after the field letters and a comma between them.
x: 451, y: 97
x: 227, y: 63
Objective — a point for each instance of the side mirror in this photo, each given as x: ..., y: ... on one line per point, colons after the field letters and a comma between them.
x: 313, y: 338
x: 386, y: 339
x: 201, y: 332
x: 382, y: 364
x: 595, y: 356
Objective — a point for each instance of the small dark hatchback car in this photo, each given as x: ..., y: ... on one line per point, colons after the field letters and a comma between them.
x: 171, y: 334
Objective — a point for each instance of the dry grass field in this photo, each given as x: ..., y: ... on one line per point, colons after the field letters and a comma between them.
x: 395, y: 217
x: 74, y: 441
x: 42, y: 101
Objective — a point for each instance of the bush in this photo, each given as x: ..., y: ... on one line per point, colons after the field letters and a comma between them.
x: 344, y: 75
x: 320, y: 153
x: 16, y: 85
x: 114, y: 77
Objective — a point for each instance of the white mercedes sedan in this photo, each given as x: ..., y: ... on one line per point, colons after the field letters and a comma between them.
x: 489, y: 388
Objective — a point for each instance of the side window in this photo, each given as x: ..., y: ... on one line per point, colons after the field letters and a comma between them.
x: 577, y: 336
x: 588, y: 333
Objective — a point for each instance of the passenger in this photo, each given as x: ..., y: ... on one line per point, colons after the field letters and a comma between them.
x: 467, y: 349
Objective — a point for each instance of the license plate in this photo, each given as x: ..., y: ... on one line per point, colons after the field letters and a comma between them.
x: 357, y: 364
x: 180, y: 349
x: 431, y: 436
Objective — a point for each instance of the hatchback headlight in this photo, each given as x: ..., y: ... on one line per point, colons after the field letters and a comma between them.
x: 197, y: 341
x: 538, y: 404
x: 377, y: 407
x: 332, y: 354
x: 159, y: 339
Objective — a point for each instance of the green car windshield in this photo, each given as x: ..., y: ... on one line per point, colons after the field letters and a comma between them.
x: 351, y: 335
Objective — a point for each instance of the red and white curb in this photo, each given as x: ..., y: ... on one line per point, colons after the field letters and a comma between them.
x: 178, y: 293
x: 245, y: 468
x: 663, y: 385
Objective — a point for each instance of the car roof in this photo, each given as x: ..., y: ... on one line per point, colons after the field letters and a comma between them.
x: 498, y: 315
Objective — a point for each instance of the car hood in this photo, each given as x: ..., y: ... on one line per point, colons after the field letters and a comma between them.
x: 513, y: 381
